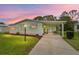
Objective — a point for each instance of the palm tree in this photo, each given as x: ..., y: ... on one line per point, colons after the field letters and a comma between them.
x: 64, y: 14
x: 73, y: 14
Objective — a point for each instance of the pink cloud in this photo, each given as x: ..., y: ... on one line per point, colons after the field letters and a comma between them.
x: 19, y: 18
x: 57, y: 9
x: 51, y: 9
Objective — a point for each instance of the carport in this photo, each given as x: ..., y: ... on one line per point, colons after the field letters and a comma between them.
x: 56, y: 24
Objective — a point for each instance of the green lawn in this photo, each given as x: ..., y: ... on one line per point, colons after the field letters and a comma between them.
x: 75, y: 41
x: 15, y: 44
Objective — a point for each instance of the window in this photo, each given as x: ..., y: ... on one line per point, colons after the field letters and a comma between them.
x: 13, y: 28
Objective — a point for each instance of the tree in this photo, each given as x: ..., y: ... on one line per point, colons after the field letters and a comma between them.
x: 65, y: 18
x: 73, y: 13
x: 49, y: 18
x: 38, y: 18
x: 69, y: 25
x: 64, y: 14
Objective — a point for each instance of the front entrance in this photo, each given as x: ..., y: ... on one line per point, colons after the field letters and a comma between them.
x: 45, y: 29
x: 54, y: 26
x: 49, y: 28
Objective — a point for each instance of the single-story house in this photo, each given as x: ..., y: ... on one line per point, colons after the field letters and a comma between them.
x: 34, y: 27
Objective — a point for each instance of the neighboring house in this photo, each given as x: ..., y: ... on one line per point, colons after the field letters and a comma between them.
x: 2, y: 27
x: 76, y: 27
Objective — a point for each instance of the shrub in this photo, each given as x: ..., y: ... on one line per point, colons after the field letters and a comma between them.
x: 17, y: 33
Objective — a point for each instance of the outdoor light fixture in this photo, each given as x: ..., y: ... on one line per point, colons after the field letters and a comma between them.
x: 44, y: 26
x: 25, y: 26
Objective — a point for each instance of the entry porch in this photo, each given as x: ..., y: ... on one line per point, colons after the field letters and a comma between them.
x: 54, y: 26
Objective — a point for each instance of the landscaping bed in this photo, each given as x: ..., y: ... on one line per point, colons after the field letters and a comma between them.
x: 75, y: 41
x: 15, y: 44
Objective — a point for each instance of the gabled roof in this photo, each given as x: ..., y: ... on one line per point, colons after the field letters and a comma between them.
x: 24, y: 21
x: 2, y: 24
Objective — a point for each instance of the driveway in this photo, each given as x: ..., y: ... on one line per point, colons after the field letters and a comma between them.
x: 53, y: 44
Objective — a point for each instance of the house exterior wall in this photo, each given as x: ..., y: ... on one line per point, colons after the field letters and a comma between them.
x: 52, y: 28
x: 19, y: 28
x: 75, y: 27
x: 2, y: 29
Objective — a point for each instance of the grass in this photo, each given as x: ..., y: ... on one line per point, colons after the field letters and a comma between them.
x: 75, y: 41
x: 15, y: 44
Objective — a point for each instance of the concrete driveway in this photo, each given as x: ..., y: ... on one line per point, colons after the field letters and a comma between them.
x: 53, y: 44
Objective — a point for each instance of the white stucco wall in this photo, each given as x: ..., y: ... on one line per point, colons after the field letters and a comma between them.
x: 2, y: 29
x: 20, y: 28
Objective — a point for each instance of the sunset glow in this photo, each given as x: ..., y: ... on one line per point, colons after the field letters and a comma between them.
x: 15, y: 13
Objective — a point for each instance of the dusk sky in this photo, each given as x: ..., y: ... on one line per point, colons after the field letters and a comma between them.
x: 14, y: 13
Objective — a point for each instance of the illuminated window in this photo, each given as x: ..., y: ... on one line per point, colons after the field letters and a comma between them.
x: 12, y: 28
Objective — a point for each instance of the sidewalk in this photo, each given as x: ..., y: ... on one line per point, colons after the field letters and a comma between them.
x: 52, y: 44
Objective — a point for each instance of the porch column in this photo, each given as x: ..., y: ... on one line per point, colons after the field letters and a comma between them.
x: 62, y: 29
